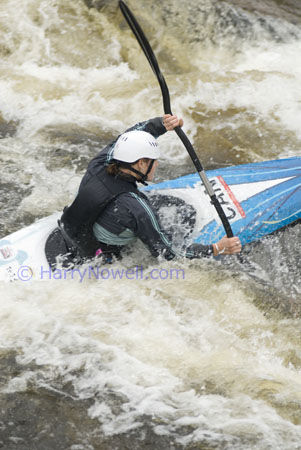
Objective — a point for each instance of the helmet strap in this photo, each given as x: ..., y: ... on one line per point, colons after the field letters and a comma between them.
x: 144, y: 178
x: 141, y: 174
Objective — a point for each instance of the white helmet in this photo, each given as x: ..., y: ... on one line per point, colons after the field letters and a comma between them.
x: 134, y: 145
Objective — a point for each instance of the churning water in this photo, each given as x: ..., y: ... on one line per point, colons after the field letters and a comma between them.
x: 207, y: 355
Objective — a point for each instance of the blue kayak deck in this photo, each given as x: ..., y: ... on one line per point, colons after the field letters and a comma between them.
x: 273, y: 200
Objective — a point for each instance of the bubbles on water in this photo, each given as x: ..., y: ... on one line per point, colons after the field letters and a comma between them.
x: 204, y: 366
x: 279, y: 257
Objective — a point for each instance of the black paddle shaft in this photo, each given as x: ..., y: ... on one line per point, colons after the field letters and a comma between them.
x: 148, y: 51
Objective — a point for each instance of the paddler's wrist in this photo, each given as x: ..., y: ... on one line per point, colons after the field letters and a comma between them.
x: 217, y: 250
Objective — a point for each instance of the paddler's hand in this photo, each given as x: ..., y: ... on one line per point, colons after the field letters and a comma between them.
x: 171, y: 122
x: 227, y: 246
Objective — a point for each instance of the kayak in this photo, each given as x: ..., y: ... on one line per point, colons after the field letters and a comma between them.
x: 258, y: 199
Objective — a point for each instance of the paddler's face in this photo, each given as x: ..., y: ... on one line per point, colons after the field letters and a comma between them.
x: 143, y: 164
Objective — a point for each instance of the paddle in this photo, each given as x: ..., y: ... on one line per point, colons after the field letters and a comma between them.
x: 148, y: 51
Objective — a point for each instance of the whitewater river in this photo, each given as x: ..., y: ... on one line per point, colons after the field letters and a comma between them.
x: 209, y: 356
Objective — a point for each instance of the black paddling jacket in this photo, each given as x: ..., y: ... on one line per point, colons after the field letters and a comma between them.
x: 111, y: 211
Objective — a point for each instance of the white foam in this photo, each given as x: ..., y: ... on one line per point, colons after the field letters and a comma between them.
x: 150, y: 344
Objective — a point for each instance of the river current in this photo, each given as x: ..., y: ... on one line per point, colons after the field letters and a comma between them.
x: 209, y: 356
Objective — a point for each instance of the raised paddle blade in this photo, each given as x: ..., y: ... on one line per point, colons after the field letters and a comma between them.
x: 148, y: 51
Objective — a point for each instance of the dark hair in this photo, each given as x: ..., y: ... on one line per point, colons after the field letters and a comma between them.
x: 114, y: 167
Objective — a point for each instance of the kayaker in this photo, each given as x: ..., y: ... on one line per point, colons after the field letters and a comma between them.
x: 110, y: 212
